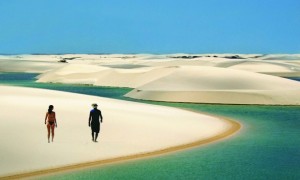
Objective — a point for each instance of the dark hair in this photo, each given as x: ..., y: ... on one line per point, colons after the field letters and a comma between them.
x: 50, y: 109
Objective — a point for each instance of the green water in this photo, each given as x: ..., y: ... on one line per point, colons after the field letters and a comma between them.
x: 268, y: 146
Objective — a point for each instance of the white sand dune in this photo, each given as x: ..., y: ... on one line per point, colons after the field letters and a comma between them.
x: 28, y: 66
x: 286, y: 65
x: 276, y: 68
x: 129, y: 128
x: 264, y: 67
x: 133, y: 77
x: 198, y: 84
x: 104, y: 76
x: 219, y: 85
x: 281, y: 57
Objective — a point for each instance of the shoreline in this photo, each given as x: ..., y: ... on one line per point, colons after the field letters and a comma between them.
x: 235, y: 127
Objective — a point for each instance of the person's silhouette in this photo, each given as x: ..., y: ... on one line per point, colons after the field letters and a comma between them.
x: 94, y: 122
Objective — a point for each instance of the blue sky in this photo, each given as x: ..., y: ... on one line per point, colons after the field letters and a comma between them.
x: 149, y: 26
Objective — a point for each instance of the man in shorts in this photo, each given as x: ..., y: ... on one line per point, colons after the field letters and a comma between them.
x: 94, y: 121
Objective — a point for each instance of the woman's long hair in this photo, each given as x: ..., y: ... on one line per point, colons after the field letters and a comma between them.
x: 50, y: 109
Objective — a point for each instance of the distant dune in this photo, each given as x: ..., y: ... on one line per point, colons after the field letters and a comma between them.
x: 219, y: 85
x: 104, y: 76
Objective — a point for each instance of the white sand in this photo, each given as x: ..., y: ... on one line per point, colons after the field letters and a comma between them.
x: 276, y: 68
x: 104, y: 76
x: 275, y: 64
x: 129, y: 128
x: 219, y: 85
x: 29, y: 63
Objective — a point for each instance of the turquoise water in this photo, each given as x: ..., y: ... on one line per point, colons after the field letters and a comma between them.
x: 268, y: 146
x: 28, y: 80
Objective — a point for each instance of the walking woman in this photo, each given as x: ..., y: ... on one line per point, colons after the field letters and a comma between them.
x: 50, y: 120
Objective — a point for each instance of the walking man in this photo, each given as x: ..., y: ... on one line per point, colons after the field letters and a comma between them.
x: 94, y: 122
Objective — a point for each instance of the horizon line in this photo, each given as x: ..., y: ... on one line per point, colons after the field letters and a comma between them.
x: 136, y: 53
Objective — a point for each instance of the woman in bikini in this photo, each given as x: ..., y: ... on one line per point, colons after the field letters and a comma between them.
x: 50, y: 120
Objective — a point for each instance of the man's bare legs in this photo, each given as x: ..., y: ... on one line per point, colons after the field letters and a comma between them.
x: 94, y: 137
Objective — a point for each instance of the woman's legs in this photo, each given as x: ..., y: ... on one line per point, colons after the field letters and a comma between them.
x: 48, y: 128
x: 52, y: 131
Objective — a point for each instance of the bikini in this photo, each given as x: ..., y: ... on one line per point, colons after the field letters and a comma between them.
x: 51, y: 116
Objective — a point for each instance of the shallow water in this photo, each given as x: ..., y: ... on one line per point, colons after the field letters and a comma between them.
x: 268, y: 146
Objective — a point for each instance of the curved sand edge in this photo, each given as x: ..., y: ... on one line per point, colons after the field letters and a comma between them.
x: 127, y: 130
x: 235, y: 127
x: 246, y: 97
